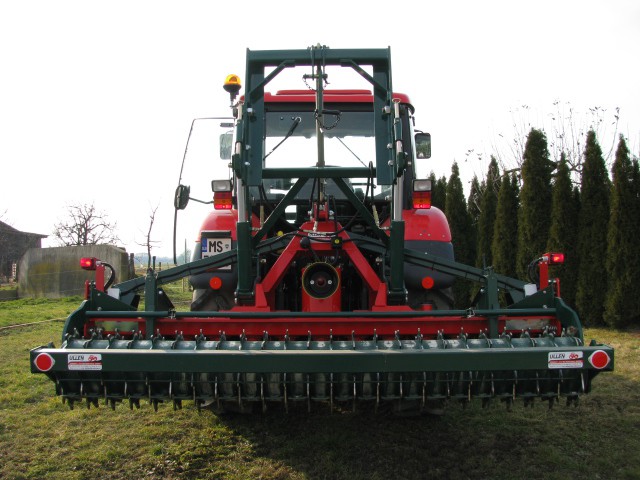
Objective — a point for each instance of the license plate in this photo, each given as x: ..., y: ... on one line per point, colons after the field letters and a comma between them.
x: 215, y: 246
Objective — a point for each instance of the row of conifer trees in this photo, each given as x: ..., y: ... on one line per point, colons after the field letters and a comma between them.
x: 513, y: 216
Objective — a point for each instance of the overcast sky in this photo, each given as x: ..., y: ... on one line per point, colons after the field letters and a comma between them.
x: 96, y: 98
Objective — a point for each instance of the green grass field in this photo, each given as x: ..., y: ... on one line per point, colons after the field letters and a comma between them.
x: 41, y: 438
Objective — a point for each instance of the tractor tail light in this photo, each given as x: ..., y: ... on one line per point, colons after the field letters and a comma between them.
x: 556, y: 258
x: 222, y: 195
x: 422, y: 194
x: 222, y: 200
x: 88, y: 263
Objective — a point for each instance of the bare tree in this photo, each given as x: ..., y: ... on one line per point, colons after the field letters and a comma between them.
x: 566, y: 130
x: 148, y: 242
x: 85, y: 225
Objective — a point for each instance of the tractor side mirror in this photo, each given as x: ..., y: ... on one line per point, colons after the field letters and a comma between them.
x: 181, y: 198
x: 226, y: 142
x: 423, y: 145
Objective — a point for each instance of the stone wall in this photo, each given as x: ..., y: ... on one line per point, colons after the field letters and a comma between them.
x: 55, y: 272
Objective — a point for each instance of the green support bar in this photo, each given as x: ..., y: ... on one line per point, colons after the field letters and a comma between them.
x: 489, y: 300
x: 397, y: 292
x: 246, y: 278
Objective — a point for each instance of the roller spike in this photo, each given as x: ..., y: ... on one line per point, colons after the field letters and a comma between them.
x: 155, y: 404
x: 112, y: 403
x: 419, y: 338
x: 462, y: 336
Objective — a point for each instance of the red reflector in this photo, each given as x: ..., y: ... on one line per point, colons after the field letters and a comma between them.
x: 222, y: 200
x: 44, y: 362
x: 88, y: 263
x: 556, y: 258
x: 427, y: 283
x: 215, y: 283
x: 421, y: 199
x: 599, y: 359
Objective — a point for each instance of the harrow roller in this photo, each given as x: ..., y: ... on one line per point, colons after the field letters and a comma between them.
x: 319, y: 371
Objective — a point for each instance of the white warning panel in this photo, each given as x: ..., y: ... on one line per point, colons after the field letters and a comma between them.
x: 566, y: 360
x: 84, y: 361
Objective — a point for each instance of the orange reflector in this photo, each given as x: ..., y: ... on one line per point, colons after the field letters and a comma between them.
x: 556, y: 258
x: 215, y: 283
x: 421, y: 199
x: 88, y: 263
x: 427, y: 283
x: 222, y: 200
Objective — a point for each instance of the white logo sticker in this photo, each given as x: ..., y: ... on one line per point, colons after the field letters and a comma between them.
x: 84, y: 361
x: 565, y: 360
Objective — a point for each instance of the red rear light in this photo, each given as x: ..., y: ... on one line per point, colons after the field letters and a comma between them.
x: 88, y: 263
x: 556, y: 258
x: 428, y: 283
x: 421, y: 199
x: 222, y: 194
x: 422, y: 194
x: 215, y: 283
x: 222, y: 200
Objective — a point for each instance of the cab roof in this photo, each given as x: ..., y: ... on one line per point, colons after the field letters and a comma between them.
x: 329, y: 96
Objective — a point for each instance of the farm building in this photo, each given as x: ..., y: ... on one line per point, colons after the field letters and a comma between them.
x: 13, y: 245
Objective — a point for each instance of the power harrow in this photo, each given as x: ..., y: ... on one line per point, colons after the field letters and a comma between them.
x: 322, y: 275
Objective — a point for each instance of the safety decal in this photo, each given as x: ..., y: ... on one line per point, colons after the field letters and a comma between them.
x: 566, y: 360
x: 84, y: 361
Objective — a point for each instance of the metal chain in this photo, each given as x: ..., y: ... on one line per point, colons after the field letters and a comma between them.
x: 325, y: 127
